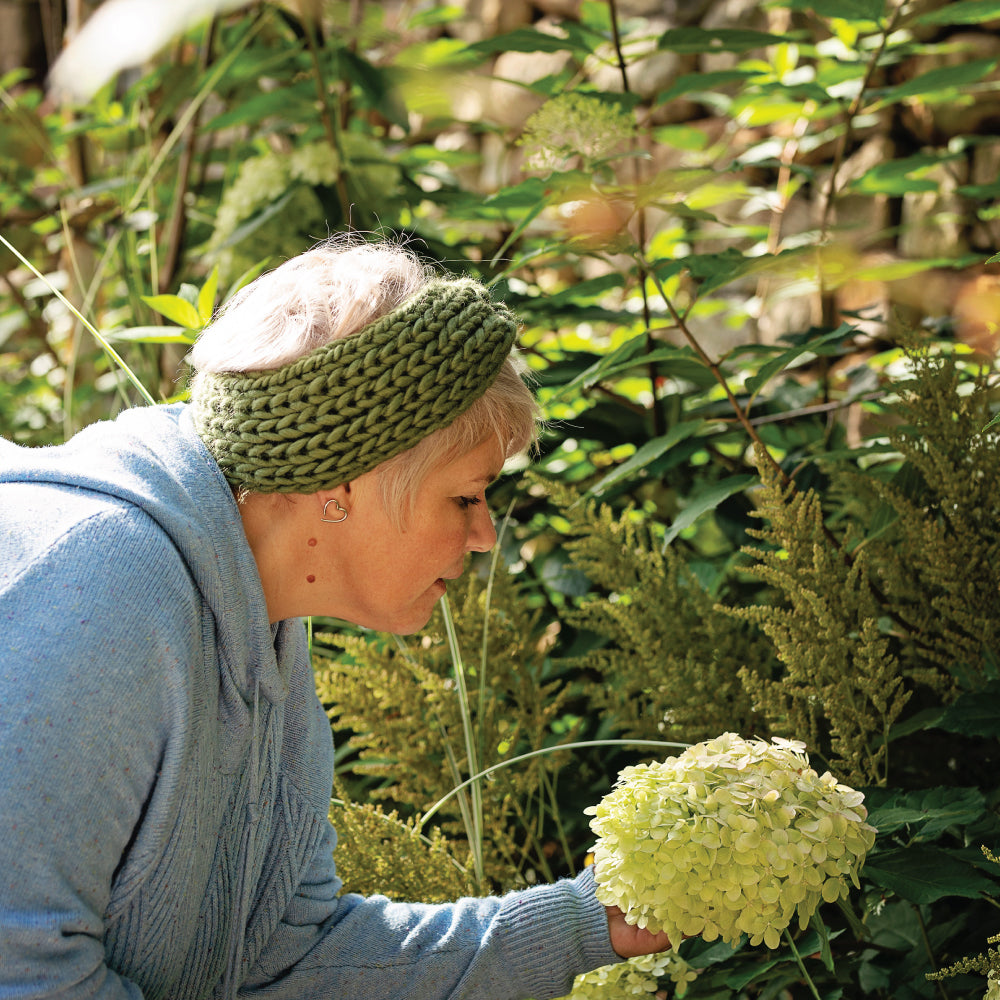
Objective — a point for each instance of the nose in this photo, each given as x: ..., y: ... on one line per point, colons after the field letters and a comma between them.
x: 482, y: 533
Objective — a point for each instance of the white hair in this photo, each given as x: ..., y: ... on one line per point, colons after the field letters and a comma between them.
x: 333, y: 291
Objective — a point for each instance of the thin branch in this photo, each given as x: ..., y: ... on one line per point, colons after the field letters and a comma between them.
x: 178, y: 218
x: 659, y: 423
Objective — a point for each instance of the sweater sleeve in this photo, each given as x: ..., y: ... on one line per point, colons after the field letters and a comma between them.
x: 84, y: 691
x: 530, y: 943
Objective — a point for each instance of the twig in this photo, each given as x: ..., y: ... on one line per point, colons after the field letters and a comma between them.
x: 659, y: 423
x: 178, y: 217
x: 840, y: 152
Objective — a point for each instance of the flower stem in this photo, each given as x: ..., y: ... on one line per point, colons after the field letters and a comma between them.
x: 802, y: 966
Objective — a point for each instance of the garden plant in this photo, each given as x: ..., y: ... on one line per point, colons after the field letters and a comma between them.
x: 752, y: 247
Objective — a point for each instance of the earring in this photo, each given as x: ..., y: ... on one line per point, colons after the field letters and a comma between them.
x: 340, y: 510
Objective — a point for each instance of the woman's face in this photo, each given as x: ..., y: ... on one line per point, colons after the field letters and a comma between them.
x: 384, y: 578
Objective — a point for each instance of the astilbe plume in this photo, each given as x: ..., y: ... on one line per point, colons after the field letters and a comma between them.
x: 668, y: 660
x: 842, y: 688
x: 403, y: 715
x: 731, y: 837
x: 390, y: 856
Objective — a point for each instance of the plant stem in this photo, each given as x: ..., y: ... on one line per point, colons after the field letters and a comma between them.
x: 98, y: 336
x: 713, y: 366
x: 659, y: 422
x: 475, y: 834
x: 180, y: 129
x: 537, y: 753
x: 802, y: 966
x: 332, y: 123
x: 178, y: 215
x: 840, y: 154
x: 930, y: 951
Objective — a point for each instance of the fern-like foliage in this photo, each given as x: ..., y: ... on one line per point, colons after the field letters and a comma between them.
x: 904, y: 595
x: 986, y: 963
x: 403, y: 711
x: 669, y: 660
x: 381, y: 853
x: 938, y: 562
x: 842, y: 688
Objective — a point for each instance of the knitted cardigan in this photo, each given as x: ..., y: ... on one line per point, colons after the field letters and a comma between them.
x: 167, y: 765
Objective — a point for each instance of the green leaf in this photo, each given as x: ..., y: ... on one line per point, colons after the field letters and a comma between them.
x: 176, y: 309
x: 996, y: 419
x: 961, y: 12
x: 926, y: 874
x: 255, y: 222
x: 206, y: 297
x: 705, y: 501
x: 685, y: 137
x: 287, y: 104
x: 927, y: 814
x: 153, y: 335
x: 649, y: 452
x: 941, y: 81
x: 895, y: 178
x: 436, y: 15
x: 975, y: 713
x: 677, y: 362
x: 690, y: 40
x: 530, y: 40
x: 848, y: 10
x: 701, y: 82
x: 771, y: 368
x: 524, y: 195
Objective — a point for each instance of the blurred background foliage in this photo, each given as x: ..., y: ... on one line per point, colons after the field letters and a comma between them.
x: 752, y: 247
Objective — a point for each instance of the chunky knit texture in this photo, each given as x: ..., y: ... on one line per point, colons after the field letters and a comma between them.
x: 346, y: 407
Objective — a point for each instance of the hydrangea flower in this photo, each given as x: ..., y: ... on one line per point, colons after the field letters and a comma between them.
x: 731, y: 837
x: 636, y: 977
x: 992, y: 986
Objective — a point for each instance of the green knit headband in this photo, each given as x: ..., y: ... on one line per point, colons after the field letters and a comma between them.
x: 346, y: 407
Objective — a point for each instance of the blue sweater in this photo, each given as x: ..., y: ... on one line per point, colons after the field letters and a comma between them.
x: 166, y: 766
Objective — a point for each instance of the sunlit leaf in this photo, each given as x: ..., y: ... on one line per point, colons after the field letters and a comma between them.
x: 576, y: 38
x: 153, y: 335
x: 769, y: 369
x: 701, y: 82
x: 176, y: 309
x: 961, y: 12
x: 940, y: 83
x: 206, y: 297
x: 709, y: 499
x: 648, y: 453
x: 847, y: 10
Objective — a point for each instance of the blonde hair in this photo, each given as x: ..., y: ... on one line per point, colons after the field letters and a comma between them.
x: 330, y: 292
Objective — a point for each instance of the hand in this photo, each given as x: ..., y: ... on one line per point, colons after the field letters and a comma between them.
x: 628, y: 940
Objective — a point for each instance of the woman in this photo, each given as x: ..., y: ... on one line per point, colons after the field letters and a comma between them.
x: 167, y: 764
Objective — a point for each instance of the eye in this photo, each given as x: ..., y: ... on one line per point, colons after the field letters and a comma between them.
x: 466, y: 502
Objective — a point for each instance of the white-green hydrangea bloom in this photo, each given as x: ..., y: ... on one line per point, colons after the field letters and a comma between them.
x: 636, y: 977
x: 732, y: 837
x: 992, y: 986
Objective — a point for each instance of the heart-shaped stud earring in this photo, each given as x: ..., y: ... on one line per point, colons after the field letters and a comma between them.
x: 342, y: 514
